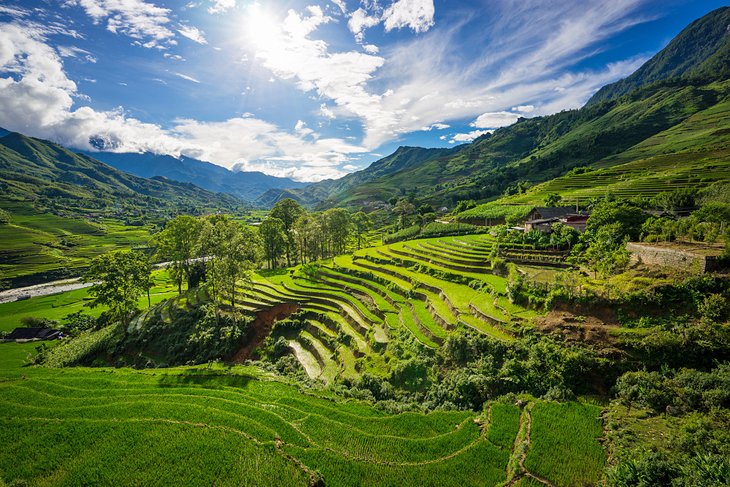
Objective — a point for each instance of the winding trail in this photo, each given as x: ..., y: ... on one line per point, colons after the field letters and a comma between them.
x: 523, y: 472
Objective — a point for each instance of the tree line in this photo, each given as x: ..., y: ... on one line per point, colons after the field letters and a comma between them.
x: 222, y: 253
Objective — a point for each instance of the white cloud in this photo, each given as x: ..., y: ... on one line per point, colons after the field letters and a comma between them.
x: 370, y: 48
x: 416, y: 14
x: 493, y: 120
x: 137, y: 19
x: 468, y: 137
x: 341, y: 5
x: 221, y: 6
x: 14, y: 11
x: 75, y: 52
x: 38, y: 100
x: 326, y: 112
x: 435, y: 126
x: 187, y: 78
x: 174, y: 57
x: 524, y: 108
x: 359, y: 21
x: 192, y: 33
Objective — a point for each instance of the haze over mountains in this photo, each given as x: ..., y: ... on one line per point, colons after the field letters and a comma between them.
x: 243, y: 184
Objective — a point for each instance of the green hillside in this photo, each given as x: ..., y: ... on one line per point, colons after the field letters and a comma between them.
x: 690, y: 155
x: 241, y: 426
x: 62, y: 208
x: 686, y: 78
x: 700, y: 51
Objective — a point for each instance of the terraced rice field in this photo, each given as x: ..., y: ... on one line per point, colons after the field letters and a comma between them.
x: 424, y: 288
x: 238, y: 426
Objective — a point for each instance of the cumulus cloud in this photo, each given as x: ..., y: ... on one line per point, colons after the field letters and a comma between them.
x: 493, y: 120
x: 140, y: 20
x: 435, y: 126
x: 192, y: 33
x: 341, y: 5
x: 221, y: 6
x: 359, y: 21
x: 37, y: 98
x: 468, y: 137
x: 416, y: 14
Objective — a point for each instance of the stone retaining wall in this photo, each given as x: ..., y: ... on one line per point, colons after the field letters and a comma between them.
x: 676, y: 258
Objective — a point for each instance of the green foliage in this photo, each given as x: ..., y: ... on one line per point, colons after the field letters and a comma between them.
x: 676, y: 392
x: 120, y: 278
x: 81, y: 349
x: 553, y: 200
x: 178, y: 243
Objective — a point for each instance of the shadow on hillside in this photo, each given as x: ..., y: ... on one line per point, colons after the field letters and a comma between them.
x: 205, y: 378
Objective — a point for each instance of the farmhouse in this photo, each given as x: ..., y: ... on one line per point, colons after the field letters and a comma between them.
x: 542, y: 219
x: 23, y: 334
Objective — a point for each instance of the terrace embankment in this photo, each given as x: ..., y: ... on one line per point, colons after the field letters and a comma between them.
x: 261, y: 328
x: 696, y: 258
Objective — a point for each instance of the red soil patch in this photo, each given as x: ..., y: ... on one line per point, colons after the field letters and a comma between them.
x: 261, y: 327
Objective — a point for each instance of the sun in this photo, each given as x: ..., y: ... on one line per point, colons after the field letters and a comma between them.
x: 261, y: 27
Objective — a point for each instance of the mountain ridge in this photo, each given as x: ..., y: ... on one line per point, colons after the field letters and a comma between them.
x: 247, y: 185
x: 538, y: 149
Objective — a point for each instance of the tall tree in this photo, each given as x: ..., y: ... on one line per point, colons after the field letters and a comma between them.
x: 288, y: 211
x: 120, y: 278
x: 178, y: 243
x: 273, y: 236
x: 361, y: 224
x: 337, y: 229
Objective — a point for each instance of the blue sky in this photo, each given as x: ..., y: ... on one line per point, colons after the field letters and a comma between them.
x: 311, y: 89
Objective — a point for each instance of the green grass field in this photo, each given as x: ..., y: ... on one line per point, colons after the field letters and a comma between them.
x: 52, y: 246
x: 57, y: 306
x: 233, y: 426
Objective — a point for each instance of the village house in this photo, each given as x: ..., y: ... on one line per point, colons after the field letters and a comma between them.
x: 542, y: 219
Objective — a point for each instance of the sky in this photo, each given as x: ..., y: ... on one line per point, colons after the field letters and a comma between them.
x: 311, y: 89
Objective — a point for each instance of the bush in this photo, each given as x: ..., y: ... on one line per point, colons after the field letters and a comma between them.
x: 35, y: 322
x: 714, y: 308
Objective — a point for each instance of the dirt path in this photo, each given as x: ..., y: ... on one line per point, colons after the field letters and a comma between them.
x: 527, y: 441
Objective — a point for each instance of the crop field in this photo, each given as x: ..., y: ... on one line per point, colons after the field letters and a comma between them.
x: 35, y: 244
x: 692, y: 154
x: 238, y: 426
x: 424, y: 289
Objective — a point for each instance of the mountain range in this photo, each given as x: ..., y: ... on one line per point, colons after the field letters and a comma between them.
x: 52, y: 178
x: 687, y: 77
x: 248, y: 186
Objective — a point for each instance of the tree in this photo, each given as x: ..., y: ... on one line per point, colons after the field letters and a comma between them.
x: 178, y: 243
x: 629, y: 218
x: 337, y: 229
x: 273, y: 236
x: 404, y: 209
x: 120, y: 278
x: 361, y: 224
x: 553, y: 200
x: 288, y: 211
x: 233, y: 250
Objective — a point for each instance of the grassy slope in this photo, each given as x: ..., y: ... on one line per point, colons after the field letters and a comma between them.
x: 692, y: 154
x: 66, y: 208
x: 234, y: 426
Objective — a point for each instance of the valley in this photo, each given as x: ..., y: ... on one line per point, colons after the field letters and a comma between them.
x: 542, y: 301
